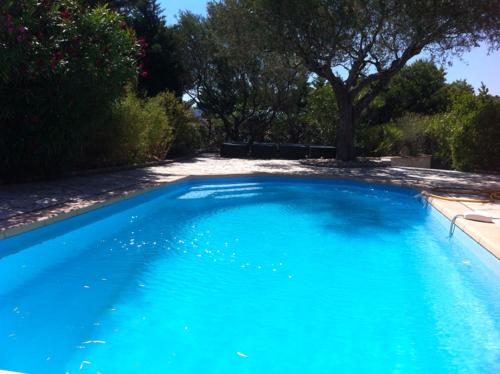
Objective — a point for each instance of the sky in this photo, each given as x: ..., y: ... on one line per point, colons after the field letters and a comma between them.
x: 476, y: 66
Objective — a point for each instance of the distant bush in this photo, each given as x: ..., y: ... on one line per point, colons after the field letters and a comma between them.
x: 476, y: 144
x: 320, y: 115
x: 465, y: 137
x: 137, y: 130
x: 406, y: 136
x: 187, y: 138
x: 62, y: 66
x: 149, y: 129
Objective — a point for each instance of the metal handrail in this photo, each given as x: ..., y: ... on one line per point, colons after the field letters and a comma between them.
x: 453, y: 224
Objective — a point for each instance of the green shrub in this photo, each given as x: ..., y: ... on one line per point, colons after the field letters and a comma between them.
x: 476, y: 144
x: 376, y: 140
x: 321, y: 115
x: 187, y: 133
x: 138, y: 130
x: 414, y: 137
x: 149, y: 129
x: 440, y: 129
x: 62, y: 66
x: 405, y: 136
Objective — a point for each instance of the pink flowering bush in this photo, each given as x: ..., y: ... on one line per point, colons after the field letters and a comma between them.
x: 62, y: 68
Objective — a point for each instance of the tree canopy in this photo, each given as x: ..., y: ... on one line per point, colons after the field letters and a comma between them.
x: 231, y: 77
x: 160, y: 65
x: 358, y: 46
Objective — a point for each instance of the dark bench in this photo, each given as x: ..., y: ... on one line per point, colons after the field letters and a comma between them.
x: 292, y: 151
x: 234, y: 150
x: 264, y: 150
x: 322, y: 151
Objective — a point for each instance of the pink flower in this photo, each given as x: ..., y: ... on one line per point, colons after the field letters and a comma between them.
x: 65, y: 13
x: 144, y: 74
x: 57, y: 56
x: 142, y: 42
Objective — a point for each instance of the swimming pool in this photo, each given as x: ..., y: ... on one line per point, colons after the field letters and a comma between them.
x: 249, y: 275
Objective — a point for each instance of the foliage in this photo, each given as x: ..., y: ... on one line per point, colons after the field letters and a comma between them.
x: 461, y: 108
x: 137, y: 130
x: 417, y: 88
x: 405, y: 136
x: 321, y: 113
x: 231, y: 79
x: 476, y: 144
x: 149, y: 129
x: 358, y: 46
x: 160, y: 64
x: 61, y: 68
x: 188, y: 139
x: 186, y: 129
x: 465, y: 136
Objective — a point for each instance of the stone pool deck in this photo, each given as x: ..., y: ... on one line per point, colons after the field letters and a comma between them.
x: 30, y: 205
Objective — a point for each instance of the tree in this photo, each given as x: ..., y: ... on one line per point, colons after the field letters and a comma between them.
x: 160, y: 65
x: 358, y: 46
x: 321, y: 113
x: 162, y: 69
x: 417, y: 88
x: 229, y: 76
x: 476, y: 144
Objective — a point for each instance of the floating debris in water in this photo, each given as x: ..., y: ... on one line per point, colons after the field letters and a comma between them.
x: 241, y: 354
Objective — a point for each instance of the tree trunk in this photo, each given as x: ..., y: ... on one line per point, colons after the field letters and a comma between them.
x: 236, y: 131
x: 346, y: 127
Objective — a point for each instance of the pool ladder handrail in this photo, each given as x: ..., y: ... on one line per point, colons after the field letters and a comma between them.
x: 453, y: 224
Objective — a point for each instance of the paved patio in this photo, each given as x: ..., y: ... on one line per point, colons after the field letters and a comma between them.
x: 30, y: 205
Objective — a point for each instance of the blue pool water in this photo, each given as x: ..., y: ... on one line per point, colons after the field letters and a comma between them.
x: 259, y: 275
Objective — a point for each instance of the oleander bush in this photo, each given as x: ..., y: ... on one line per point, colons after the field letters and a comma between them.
x: 62, y: 68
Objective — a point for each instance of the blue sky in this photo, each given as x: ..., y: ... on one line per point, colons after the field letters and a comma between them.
x: 476, y: 66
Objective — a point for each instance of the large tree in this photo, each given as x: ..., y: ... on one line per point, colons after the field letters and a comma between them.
x: 230, y: 77
x: 359, y: 45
